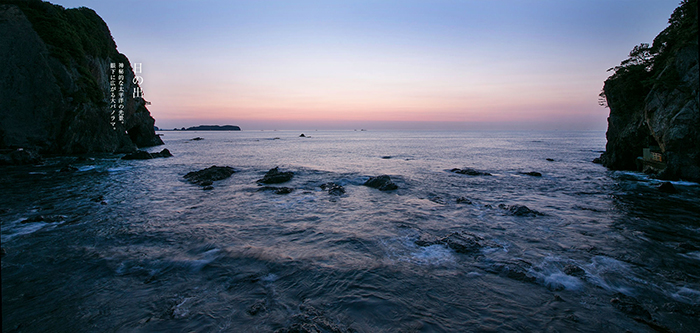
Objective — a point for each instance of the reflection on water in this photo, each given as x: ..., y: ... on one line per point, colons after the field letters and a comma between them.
x: 131, y: 246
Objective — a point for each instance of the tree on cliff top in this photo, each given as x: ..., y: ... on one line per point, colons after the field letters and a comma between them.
x: 643, y: 67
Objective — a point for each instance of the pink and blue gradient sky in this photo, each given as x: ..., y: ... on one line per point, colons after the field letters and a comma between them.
x: 509, y: 64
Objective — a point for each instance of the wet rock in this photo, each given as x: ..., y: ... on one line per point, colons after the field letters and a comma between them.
x: 144, y: 155
x: 550, y: 159
x: 209, y: 175
x: 460, y: 242
x: 532, y: 173
x: 470, y: 172
x: 68, y: 168
x: 464, y: 200
x: 597, y: 160
x: 19, y: 156
x: 302, y: 135
x: 574, y: 270
x: 277, y: 190
x: 274, y: 176
x: 383, y: 183
x: 437, y: 199
x: 45, y: 218
x: 630, y: 306
x: 667, y: 187
x: 138, y: 155
x: 386, y: 157
x: 520, y: 210
x: 516, y: 270
x: 196, y: 139
x: 208, y: 188
x: 163, y: 153
x: 257, y: 307
x: 333, y: 189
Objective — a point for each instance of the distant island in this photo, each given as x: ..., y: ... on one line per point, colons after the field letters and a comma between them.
x: 211, y: 128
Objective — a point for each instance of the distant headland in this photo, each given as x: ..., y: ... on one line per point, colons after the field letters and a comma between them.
x: 210, y: 128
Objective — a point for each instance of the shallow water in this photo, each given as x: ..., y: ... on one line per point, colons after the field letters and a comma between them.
x: 135, y: 247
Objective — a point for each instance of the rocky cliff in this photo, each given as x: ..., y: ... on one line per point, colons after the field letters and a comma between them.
x: 653, y: 101
x: 55, y: 83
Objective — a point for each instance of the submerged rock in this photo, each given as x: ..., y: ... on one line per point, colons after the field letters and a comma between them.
x: 630, y: 306
x: 532, y: 173
x: 163, y: 153
x: 333, y: 189
x: 197, y: 139
x: 205, y: 177
x: 516, y: 270
x: 464, y: 200
x: 68, y: 168
x: 574, y: 270
x: 274, y: 176
x: 383, y: 183
x: 277, y: 190
x: 45, y: 218
x: 460, y: 242
x: 470, y: 172
x: 311, y: 320
x: 257, y: 307
x: 520, y: 210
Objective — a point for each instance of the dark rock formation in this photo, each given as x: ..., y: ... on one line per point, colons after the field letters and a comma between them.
x: 197, y: 139
x: 257, y: 307
x: 532, y: 173
x: 383, y: 183
x: 45, y: 218
x: 277, y: 190
x: 464, y: 200
x: 333, y: 189
x: 386, y: 157
x: 55, y: 83
x: 206, y: 177
x: 653, y: 101
x: 212, y: 128
x: 302, y: 135
x: 144, y: 155
x: 274, y: 176
x: 470, y: 172
x: 667, y: 187
x: 460, y: 242
x: 630, y: 306
x: 574, y: 270
x: 550, y: 159
x: 520, y: 210
x: 516, y: 270
x: 311, y: 320
x: 19, y: 156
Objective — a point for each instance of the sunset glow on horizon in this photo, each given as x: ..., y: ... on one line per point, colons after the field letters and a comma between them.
x: 380, y: 64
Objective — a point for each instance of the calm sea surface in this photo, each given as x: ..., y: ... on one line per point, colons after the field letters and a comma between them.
x: 131, y: 246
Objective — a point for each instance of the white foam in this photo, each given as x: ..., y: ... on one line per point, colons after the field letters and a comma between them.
x: 560, y: 280
x: 692, y: 255
x: 270, y: 278
x: 687, y: 295
x: 432, y: 255
x: 86, y: 167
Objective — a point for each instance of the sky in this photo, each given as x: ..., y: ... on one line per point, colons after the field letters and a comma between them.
x: 452, y: 65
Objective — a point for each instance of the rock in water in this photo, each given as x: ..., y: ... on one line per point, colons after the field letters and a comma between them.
x: 302, y: 135
x: 138, y: 155
x: 460, y: 242
x: 333, y: 189
x: 210, y: 174
x: 520, y: 210
x: 667, y: 187
x: 383, y: 183
x: 163, y: 153
x: 532, y: 173
x: 56, y: 94
x: 277, y: 190
x: 274, y: 176
x: 470, y: 172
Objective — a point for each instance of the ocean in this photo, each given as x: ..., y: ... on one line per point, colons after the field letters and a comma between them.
x: 132, y: 246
